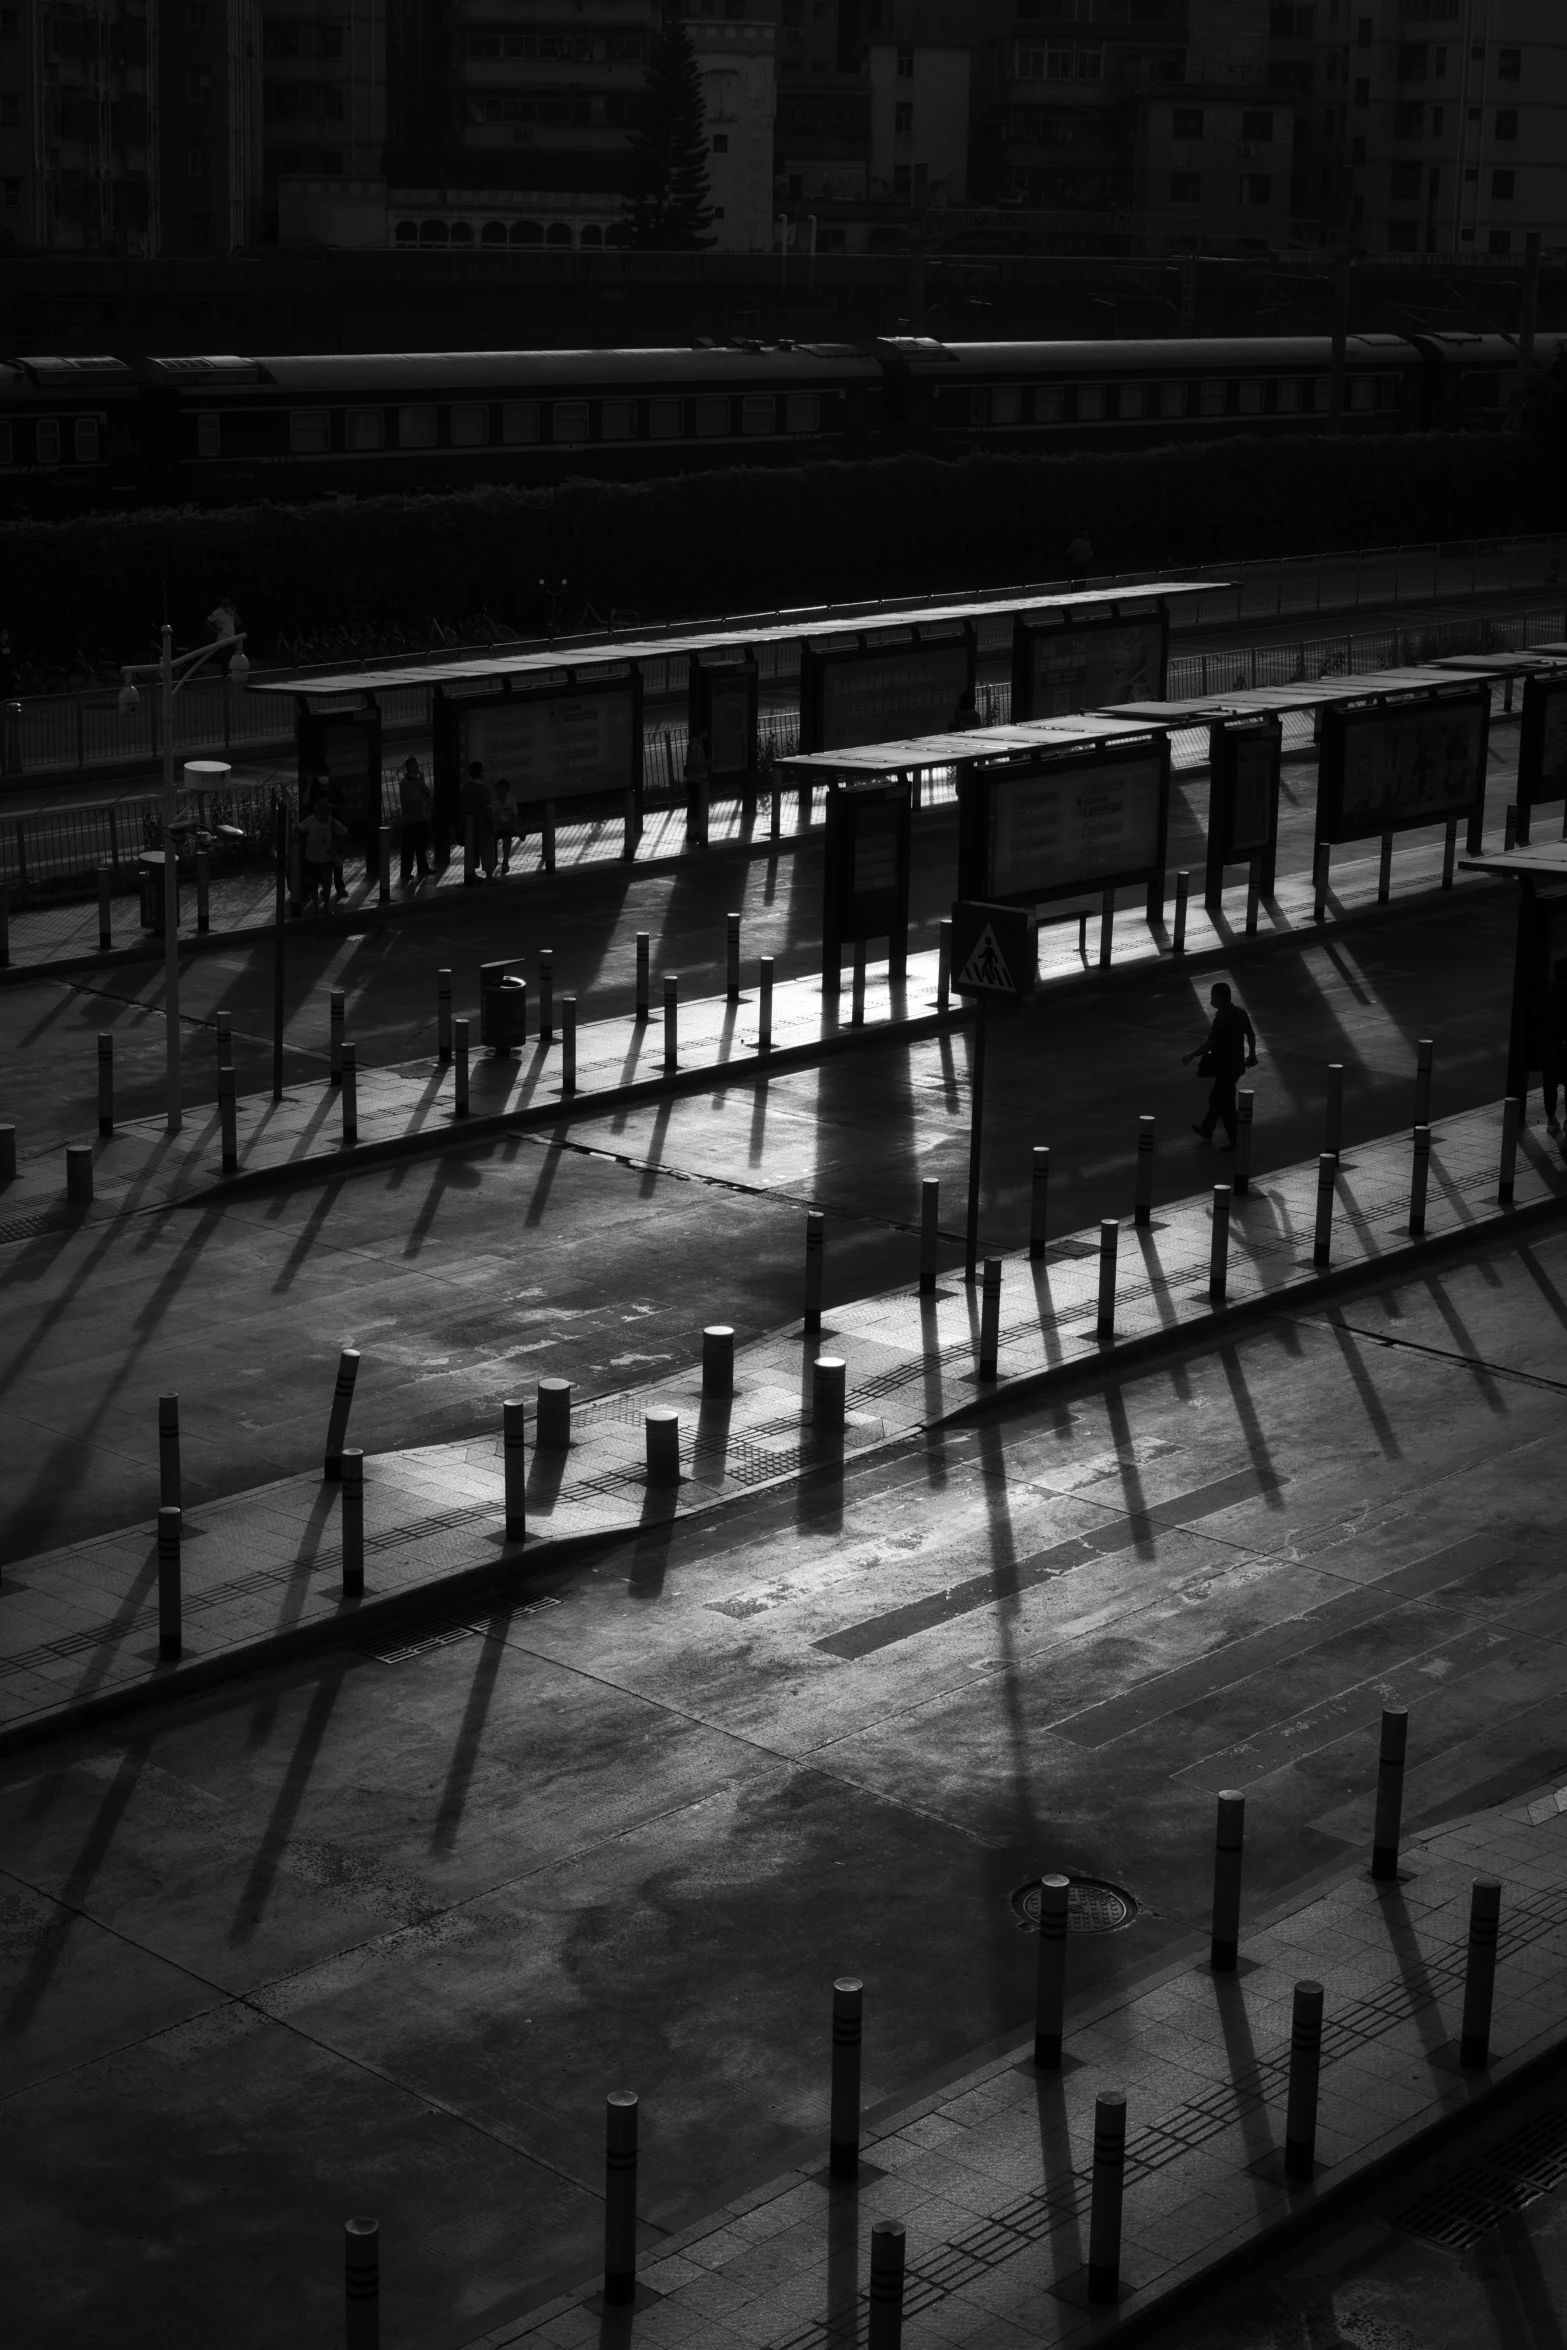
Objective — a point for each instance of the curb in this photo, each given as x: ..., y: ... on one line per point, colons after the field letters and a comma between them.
x: 307, y: 1639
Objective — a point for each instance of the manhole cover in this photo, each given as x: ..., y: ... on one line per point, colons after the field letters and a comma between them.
x: 1092, y: 1906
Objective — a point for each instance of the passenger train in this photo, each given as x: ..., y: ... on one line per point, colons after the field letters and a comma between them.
x: 78, y: 434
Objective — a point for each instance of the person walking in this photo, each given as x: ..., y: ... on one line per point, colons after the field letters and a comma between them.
x: 478, y: 815
x: 320, y: 835
x: 332, y: 793
x: 505, y: 820
x: 1229, y: 1049
x: 414, y: 806
x: 1553, y: 1042
x: 1078, y: 557
x: 967, y: 712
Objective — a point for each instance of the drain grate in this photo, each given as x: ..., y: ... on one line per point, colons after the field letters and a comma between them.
x: 446, y: 1630
x: 1093, y: 1906
x: 1503, y: 2181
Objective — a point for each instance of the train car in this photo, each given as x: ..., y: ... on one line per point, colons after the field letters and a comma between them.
x: 232, y: 428
x: 1472, y: 380
x: 950, y: 398
x: 70, y: 434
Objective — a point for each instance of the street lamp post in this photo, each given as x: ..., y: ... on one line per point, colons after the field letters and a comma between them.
x: 173, y: 672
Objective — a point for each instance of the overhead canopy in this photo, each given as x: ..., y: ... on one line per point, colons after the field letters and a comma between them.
x: 864, y: 760
x: 499, y: 669
x: 1306, y: 693
x: 1546, y: 863
x: 1528, y: 661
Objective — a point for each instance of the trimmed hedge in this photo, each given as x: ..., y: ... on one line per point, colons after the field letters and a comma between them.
x: 751, y: 539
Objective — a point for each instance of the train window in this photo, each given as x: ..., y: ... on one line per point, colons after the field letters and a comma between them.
x: 5, y: 445
x: 804, y: 412
x: 86, y: 440
x: 1049, y: 404
x: 1211, y: 398
x: 757, y: 412
x: 493, y: 233
x: 1131, y: 402
x: 570, y: 420
x: 470, y: 426
x: 979, y: 407
x: 48, y: 441
x: 1172, y: 399
x: 309, y: 431
x: 209, y: 436
x: 527, y: 232
x: 712, y: 417
x: 416, y: 428
x: 1090, y: 402
x: 520, y: 421
x: 1286, y: 395
x: 408, y: 232
x: 666, y: 419
x: 618, y: 420
x: 1390, y: 391
x: 462, y: 232
x: 1006, y: 407
x: 364, y: 428
x: 1251, y: 395
x: 1363, y: 392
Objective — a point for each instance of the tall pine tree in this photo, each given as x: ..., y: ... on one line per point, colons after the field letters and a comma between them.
x: 669, y: 190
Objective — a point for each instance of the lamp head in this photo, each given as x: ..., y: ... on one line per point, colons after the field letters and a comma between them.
x: 130, y: 699
x: 239, y: 668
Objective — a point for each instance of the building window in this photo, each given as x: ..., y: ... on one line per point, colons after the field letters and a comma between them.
x: 905, y: 65
x: 902, y: 181
x: 1363, y: 33
x: 1402, y: 236
x: 86, y: 440
x: 309, y: 431
x: 1357, y: 151
x: 618, y: 420
x: 10, y: 194
x: 1362, y: 92
x: 408, y: 232
x: 1414, y: 61
x: 1186, y: 122
x: 1507, y: 122
x: 1186, y: 187
x: 1509, y: 65
x: 720, y: 142
x: 1257, y: 129
x: 201, y: 232
x: 493, y: 233
x: 902, y: 119
x: 10, y: 107
x: 666, y: 419
x: 527, y: 232
x: 209, y: 436
x: 1409, y: 120
x: 200, y: 82
x: 803, y: 412
x: 569, y: 420
x: 1406, y: 179
x: 519, y: 421
x: 558, y: 233
x: 364, y: 428
x: 416, y: 428
x: 1500, y: 240
x: 1256, y: 187
x: 199, y: 161
x: 1502, y: 186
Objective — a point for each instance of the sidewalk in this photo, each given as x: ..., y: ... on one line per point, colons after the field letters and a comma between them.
x: 991, y: 2178
x: 262, y: 1569
x: 408, y: 1109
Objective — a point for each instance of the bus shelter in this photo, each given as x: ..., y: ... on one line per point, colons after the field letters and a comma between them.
x: 563, y: 721
x: 1541, y: 875
x: 1542, y: 729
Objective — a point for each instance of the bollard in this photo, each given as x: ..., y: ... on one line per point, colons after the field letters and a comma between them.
x: 620, y: 2199
x: 829, y: 1375
x: 546, y: 995
x: 228, y: 1120
x: 1423, y: 1054
x: 1300, y: 2113
x: 337, y: 1420
x: 1385, y: 870
x: 1419, y: 1177
x: 930, y: 1212
x: 350, y: 1084
x: 105, y: 907
x: 764, y: 1027
x: 1321, y: 873
x: 169, y: 1495
x: 568, y: 1044
x: 1104, y: 2219
x: 857, y: 985
x: 353, y: 1479
x: 547, y: 838
x: 1333, y: 1123
x: 514, y: 1465
x: 1390, y: 1794
x: 1228, y: 1850
x: 671, y: 1020
x: 1512, y: 1120
x: 203, y: 891
x: 732, y: 957
x: 1143, y: 1212
x: 990, y: 1318
x: 1183, y: 891
x: 661, y: 1429
x: 631, y: 831
x: 1322, y: 1243
x: 384, y: 865
x: 224, y: 1023
x: 5, y: 928
x: 443, y: 1015
x: 361, y: 2284
x: 459, y: 1068
x: 105, y: 1085
x: 1109, y: 1237
x: 843, y: 2129
x: 815, y: 1248
x: 338, y: 1006
x: 718, y: 1360
x: 1450, y: 852
x: 1485, y: 1919
x: 1219, y: 1247
x: 1253, y: 895
x: 7, y: 1153
x: 944, y: 965
x: 643, y: 1008
x: 1245, y: 1105
x: 1050, y: 2003
x: 552, y: 1430
x: 1509, y: 829
x: 884, y: 2327
x: 1039, y: 1201
x: 78, y: 1174
x: 169, y: 1641
x: 1106, y: 929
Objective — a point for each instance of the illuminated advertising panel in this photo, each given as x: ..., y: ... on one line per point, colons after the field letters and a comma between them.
x: 1082, y: 824
x: 883, y: 693
x: 1087, y: 664
x: 1394, y: 766
x: 1542, y: 745
x: 564, y: 746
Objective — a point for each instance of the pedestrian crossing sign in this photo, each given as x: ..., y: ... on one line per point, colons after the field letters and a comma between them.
x: 994, y: 950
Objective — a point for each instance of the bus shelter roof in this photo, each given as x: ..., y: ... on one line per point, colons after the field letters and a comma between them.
x: 1527, y: 661
x: 862, y: 761
x: 1548, y: 862
x: 1304, y: 693
x: 499, y: 669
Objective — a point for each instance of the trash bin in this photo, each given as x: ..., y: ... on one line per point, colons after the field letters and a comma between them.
x: 149, y: 873
x: 503, y: 1007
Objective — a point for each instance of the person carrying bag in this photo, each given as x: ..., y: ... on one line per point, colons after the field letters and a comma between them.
x: 1230, y: 1049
